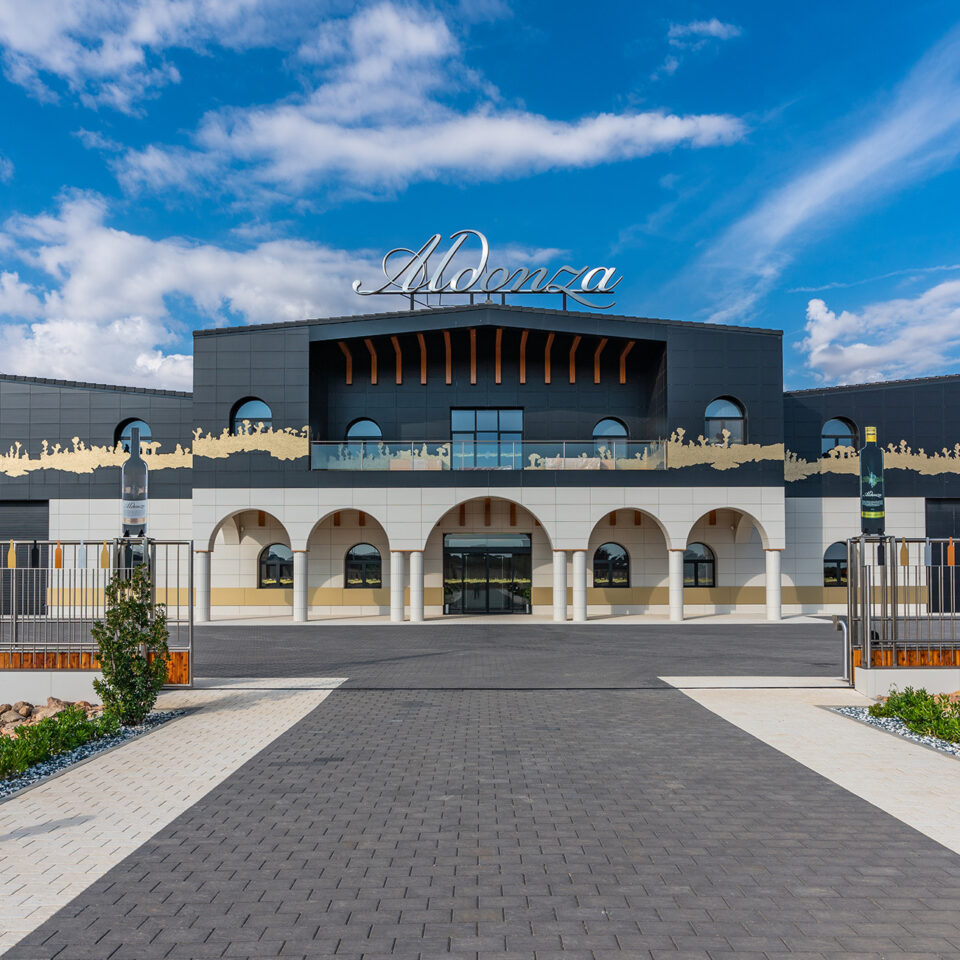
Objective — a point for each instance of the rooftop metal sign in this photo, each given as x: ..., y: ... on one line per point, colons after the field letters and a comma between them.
x: 412, y: 273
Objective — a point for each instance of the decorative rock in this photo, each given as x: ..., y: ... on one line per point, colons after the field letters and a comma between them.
x: 21, y: 703
x: 11, y: 716
x: 4, y: 707
x: 25, y: 711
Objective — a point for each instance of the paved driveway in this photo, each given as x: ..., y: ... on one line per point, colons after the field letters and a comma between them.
x: 500, y: 656
x: 495, y: 821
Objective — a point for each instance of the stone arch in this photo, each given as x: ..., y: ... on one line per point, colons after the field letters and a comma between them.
x: 475, y: 521
x: 439, y: 511
x: 743, y: 527
x: 232, y: 528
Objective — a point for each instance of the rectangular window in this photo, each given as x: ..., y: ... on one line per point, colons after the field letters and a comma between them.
x: 487, y: 439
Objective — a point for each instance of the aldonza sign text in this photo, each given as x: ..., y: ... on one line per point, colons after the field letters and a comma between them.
x: 410, y: 273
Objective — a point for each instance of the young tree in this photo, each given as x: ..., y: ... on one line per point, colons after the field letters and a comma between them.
x: 132, y: 642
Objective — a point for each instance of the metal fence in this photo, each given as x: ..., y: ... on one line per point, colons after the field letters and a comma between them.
x: 52, y: 592
x: 903, y: 602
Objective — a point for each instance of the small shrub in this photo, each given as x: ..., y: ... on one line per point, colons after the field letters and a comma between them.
x: 132, y: 641
x: 930, y: 716
x: 36, y: 742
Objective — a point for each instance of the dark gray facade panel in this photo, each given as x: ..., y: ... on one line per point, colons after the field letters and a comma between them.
x: 23, y: 520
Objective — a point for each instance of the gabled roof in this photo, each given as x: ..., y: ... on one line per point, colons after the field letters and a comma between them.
x: 569, y: 316
x: 45, y: 381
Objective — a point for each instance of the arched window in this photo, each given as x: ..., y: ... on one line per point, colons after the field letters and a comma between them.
x: 611, y: 566
x: 122, y: 433
x: 364, y: 430
x: 275, y: 566
x: 837, y: 432
x: 248, y: 414
x: 835, y: 565
x: 724, y: 413
x: 362, y: 567
x: 610, y: 433
x: 699, y: 566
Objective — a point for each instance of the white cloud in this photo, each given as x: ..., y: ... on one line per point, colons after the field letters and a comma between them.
x: 381, y: 118
x: 110, y: 52
x: 683, y: 34
x: 888, y: 340
x: 917, y: 136
x: 100, y: 308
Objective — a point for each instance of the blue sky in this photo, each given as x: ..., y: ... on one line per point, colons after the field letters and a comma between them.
x: 168, y: 165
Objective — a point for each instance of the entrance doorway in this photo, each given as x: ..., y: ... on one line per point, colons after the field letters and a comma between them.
x: 486, y: 574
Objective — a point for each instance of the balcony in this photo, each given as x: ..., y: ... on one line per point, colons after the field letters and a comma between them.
x: 381, y: 456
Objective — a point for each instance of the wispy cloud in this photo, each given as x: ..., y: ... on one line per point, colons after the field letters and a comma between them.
x: 382, y: 117
x: 888, y: 340
x: 916, y: 136
x: 689, y: 37
x: 913, y: 272
x: 112, y: 53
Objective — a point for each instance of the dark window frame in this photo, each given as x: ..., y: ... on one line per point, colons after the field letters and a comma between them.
x: 363, y: 439
x: 276, y: 582
x: 713, y: 426
x: 700, y: 563
x: 854, y: 437
x: 236, y: 421
x: 837, y: 564
x: 125, y: 425
x: 499, y: 447
x: 610, y: 564
x: 363, y: 562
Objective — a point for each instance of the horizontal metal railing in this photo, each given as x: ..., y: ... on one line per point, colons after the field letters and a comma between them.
x: 903, y: 601
x: 52, y: 592
x: 380, y: 455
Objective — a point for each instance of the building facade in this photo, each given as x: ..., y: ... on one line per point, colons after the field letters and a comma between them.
x: 486, y: 459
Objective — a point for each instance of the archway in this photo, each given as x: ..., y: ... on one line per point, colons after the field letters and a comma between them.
x: 644, y: 586
x: 488, y: 555
x: 234, y: 579
x: 345, y: 584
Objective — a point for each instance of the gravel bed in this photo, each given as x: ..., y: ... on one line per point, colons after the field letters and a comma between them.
x: 898, y: 727
x: 59, y: 763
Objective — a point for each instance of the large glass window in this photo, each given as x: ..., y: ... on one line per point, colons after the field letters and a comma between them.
x: 724, y: 413
x: 699, y: 566
x: 248, y: 414
x: 837, y: 432
x: 487, y: 439
x: 123, y: 433
x: 835, y: 565
x: 276, y: 566
x: 363, y: 567
x: 611, y: 566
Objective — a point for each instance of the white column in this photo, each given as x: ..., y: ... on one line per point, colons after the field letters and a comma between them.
x: 416, y: 586
x: 580, y: 586
x: 773, y: 584
x: 560, y: 586
x: 396, y: 586
x: 299, y: 586
x: 201, y: 586
x: 676, y: 585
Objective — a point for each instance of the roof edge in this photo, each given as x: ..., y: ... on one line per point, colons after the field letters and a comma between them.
x: 872, y: 383
x: 80, y: 384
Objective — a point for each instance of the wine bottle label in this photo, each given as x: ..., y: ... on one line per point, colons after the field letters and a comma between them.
x: 134, y: 511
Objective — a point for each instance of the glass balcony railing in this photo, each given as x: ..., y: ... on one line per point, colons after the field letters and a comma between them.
x: 447, y: 455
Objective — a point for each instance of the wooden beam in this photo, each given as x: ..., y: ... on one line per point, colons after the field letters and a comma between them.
x: 463, y: 514
x: 373, y: 359
x: 399, y: 356
x: 613, y: 518
x: 336, y: 518
x: 362, y: 518
x: 513, y: 514
x: 499, y: 378
x: 486, y: 511
x: 623, y: 360
x: 546, y: 358
x: 523, y: 356
x: 573, y: 358
x: 473, y: 355
x: 423, y: 358
x: 448, y: 351
x: 637, y: 518
x: 596, y: 360
x: 349, y: 358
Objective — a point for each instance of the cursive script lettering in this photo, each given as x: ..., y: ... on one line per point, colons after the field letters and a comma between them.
x: 408, y: 273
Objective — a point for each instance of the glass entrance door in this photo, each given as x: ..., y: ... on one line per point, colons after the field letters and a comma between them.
x: 486, y: 574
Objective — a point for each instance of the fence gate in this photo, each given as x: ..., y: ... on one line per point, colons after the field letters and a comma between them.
x: 52, y: 592
x: 903, y: 602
